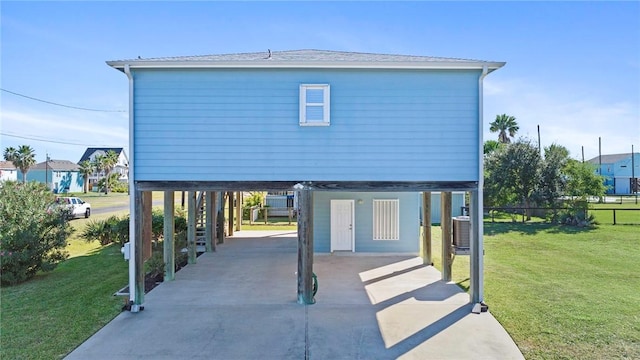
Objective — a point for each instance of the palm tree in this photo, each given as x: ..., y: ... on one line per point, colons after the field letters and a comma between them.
x: 504, y: 124
x: 86, y: 169
x: 22, y: 158
x: 490, y: 146
x: 109, y: 161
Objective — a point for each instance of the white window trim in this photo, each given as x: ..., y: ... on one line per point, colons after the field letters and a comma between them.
x: 388, y: 235
x: 303, y: 105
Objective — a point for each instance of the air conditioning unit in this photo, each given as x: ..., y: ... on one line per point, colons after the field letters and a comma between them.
x: 461, y: 232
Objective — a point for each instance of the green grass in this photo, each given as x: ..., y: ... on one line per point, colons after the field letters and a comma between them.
x: 99, y: 200
x: 50, y: 315
x: 53, y: 313
x: 623, y: 217
x: 560, y: 292
x: 273, y: 223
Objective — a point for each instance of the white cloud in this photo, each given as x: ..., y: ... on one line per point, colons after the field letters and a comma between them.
x: 564, y: 117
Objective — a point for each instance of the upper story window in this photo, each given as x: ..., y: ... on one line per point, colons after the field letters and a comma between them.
x: 314, y: 105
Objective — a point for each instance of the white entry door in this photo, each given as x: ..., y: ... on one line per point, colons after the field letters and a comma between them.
x: 342, y: 227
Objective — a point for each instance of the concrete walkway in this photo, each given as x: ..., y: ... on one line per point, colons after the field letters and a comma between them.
x: 240, y: 303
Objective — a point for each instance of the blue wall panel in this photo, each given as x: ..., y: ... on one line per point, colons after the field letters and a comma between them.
x: 59, y: 181
x: 235, y: 125
x: 363, y: 224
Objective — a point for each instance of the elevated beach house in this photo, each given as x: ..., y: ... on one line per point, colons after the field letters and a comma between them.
x: 362, y: 138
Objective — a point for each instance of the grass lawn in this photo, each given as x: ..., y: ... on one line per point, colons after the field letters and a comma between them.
x: 623, y: 217
x: 562, y: 293
x: 53, y: 313
x: 50, y: 315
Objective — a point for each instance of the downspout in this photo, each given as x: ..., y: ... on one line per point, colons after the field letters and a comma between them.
x: 477, y: 251
x: 132, y: 202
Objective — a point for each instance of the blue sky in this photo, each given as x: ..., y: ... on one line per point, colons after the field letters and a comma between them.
x: 573, y: 68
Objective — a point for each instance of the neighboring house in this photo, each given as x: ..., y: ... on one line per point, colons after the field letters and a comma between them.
x: 618, y: 171
x: 358, y: 135
x: 8, y: 171
x: 61, y: 176
x: 122, y: 166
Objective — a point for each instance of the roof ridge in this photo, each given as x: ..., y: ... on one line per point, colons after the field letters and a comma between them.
x: 311, y: 56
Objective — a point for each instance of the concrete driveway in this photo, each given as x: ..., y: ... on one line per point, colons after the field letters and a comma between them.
x: 240, y: 303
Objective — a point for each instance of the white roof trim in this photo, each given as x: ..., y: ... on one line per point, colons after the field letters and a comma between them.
x: 172, y: 64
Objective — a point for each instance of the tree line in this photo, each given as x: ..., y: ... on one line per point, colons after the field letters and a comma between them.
x: 517, y: 174
x: 24, y: 157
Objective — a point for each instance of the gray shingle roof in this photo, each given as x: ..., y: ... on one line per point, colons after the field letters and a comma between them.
x: 610, y: 159
x: 57, y: 165
x: 7, y: 165
x: 307, y: 58
x: 87, y: 154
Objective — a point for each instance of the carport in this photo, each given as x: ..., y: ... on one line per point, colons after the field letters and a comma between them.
x: 240, y: 303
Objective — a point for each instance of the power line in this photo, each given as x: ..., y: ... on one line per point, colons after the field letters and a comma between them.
x: 50, y: 141
x: 63, y: 105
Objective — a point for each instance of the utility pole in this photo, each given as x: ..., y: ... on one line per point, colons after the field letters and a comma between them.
x: 599, y: 155
x: 46, y: 171
x: 539, y: 147
x: 582, y: 153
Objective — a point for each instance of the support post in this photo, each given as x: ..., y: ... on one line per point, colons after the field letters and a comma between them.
x: 147, y: 234
x: 476, y: 277
x: 305, y: 244
x: 427, y: 255
x: 230, y: 213
x: 210, y: 241
x: 168, y: 234
x: 290, y: 211
x: 445, y: 224
x: 191, y: 227
x: 138, y: 257
x: 220, y: 214
x: 239, y: 211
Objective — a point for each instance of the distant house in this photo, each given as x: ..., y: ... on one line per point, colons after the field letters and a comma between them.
x: 8, y: 171
x: 618, y: 172
x: 122, y: 166
x: 61, y: 176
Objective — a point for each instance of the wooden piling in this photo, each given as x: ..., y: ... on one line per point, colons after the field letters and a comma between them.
x: 168, y: 235
x: 445, y: 224
x: 427, y: 255
x: 305, y: 246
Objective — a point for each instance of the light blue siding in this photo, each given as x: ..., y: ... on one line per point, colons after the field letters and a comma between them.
x: 236, y: 125
x: 59, y: 181
x: 457, y: 202
x: 363, y: 223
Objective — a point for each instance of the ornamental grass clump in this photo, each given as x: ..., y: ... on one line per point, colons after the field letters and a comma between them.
x: 33, y: 233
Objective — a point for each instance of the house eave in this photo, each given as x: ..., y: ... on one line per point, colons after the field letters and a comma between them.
x: 431, y: 65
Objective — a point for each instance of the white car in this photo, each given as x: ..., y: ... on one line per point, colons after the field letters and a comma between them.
x: 77, y: 207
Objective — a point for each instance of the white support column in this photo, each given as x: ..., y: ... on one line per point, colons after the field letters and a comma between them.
x: 476, y: 288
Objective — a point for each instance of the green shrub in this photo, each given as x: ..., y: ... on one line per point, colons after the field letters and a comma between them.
x: 33, y: 233
x: 116, y: 229
x: 119, y: 187
x: 111, y: 230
